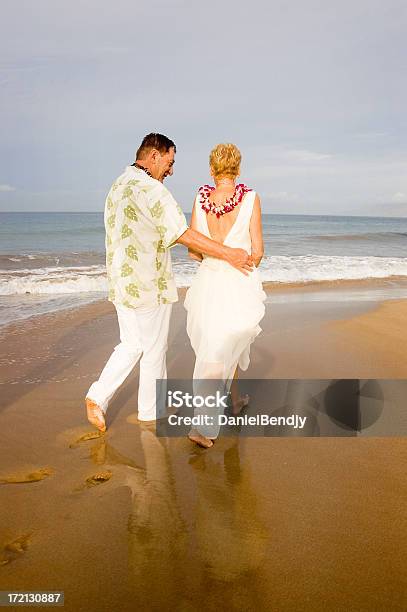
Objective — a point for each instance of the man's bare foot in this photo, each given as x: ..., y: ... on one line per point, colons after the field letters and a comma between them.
x: 203, y: 441
x: 95, y: 415
x: 241, y: 403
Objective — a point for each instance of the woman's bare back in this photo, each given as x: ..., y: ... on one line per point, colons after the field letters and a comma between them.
x: 220, y: 227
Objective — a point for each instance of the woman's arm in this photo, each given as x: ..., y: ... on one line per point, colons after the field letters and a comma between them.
x: 194, y: 254
x: 256, y: 233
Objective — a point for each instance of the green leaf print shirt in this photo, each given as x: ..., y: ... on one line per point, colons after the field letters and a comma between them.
x: 142, y: 222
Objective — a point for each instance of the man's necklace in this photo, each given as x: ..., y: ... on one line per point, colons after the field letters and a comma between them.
x: 142, y: 168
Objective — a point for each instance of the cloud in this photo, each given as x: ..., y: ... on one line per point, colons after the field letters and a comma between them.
x: 282, y: 196
x: 370, y: 134
x: 389, y: 209
x: 303, y: 155
x: 400, y: 198
x: 325, y: 120
x: 4, y: 187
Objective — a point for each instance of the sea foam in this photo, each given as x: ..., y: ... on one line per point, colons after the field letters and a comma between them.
x: 280, y: 269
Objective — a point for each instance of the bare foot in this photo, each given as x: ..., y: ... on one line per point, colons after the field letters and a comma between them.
x: 241, y: 403
x: 95, y: 415
x: 202, y: 441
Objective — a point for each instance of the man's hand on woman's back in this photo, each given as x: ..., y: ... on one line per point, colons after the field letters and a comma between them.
x: 240, y: 259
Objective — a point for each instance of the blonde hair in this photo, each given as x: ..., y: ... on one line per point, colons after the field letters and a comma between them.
x: 224, y: 161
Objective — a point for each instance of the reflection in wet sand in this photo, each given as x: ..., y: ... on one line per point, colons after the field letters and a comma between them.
x: 103, y: 452
x: 212, y: 554
x: 232, y: 541
x: 157, y: 533
x: 213, y: 551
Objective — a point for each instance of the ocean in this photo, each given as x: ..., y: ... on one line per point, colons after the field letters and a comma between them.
x: 50, y: 261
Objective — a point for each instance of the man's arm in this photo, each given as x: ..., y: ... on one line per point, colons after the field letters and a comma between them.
x: 170, y: 217
x: 238, y: 258
x: 194, y: 254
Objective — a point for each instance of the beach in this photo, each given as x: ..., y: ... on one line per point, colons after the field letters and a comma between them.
x: 126, y: 145
x: 128, y: 519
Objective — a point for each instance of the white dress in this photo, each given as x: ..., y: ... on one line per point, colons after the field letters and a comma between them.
x: 224, y: 307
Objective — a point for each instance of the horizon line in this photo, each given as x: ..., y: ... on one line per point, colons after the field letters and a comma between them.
x: 98, y: 212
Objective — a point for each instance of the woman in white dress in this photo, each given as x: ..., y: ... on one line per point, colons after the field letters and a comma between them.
x: 224, y: 306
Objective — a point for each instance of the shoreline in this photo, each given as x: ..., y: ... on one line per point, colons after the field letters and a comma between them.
x: 320, y: 326
x: 396, y: 285
x: 388, y: 282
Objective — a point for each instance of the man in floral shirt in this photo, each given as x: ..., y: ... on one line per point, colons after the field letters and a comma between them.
x: 143, y: 221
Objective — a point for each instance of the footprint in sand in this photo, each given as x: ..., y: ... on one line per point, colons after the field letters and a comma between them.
x: 91, y: 435
x: 94, y: 480
x: 102, y: 452
x: 21, y: 478
x: 98, y: 478
x: 12, y: 550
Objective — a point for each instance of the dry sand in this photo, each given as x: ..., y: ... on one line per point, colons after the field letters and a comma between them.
x: 128, y: 520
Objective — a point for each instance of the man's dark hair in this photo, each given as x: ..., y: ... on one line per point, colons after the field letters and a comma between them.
x: 154, y: 141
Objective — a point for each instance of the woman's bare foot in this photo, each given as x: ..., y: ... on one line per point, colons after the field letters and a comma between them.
x: 238, y: 405
x: 203, y: 441
x: 95, y: 415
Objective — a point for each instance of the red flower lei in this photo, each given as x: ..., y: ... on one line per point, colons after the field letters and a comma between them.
x: 221, y: 209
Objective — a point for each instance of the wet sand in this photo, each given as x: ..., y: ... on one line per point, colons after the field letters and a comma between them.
x: 128, y: 520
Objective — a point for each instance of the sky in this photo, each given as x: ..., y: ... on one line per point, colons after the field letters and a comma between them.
x: 312, y: 92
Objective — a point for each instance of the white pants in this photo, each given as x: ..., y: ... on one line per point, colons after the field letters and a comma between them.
x: 143, y: 333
